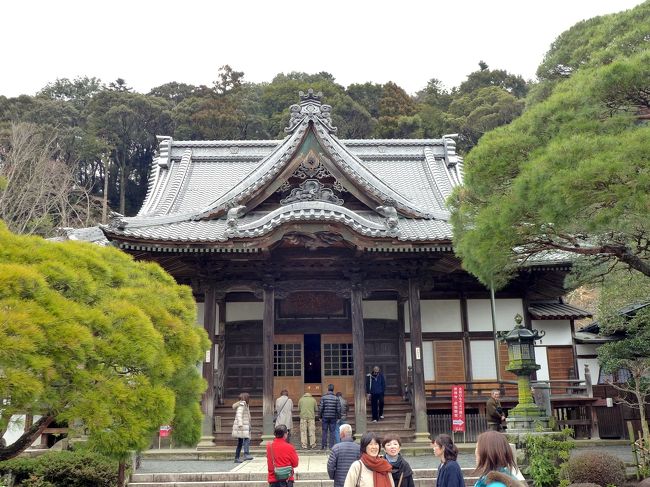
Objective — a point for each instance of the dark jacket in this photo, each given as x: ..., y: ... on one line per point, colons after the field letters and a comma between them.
x: 493, y: 410
x: 402, y: 470
x: 284, y: 454
x: 375, y: 384
x: 343, y: 455
x: 450, y: 474
x: 330, y: 407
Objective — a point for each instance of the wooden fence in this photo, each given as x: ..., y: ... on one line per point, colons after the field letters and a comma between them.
x: 475, y: 424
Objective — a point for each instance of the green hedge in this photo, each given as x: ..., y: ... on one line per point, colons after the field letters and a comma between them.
x: 62, y: 469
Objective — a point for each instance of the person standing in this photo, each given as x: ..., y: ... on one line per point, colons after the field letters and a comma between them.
x: 241, y: 428
x: 375, y: 388
x: 329, y: 412
x: 449, y: 472
x: 284, y: 412
x: 280, y: 453
x: 495, y: 462
x: 402, y: 472
x: 307, y: 408
x: 342, y: 456
x: 370, y: 470
x: 494, y: 412
x: 343, y: 418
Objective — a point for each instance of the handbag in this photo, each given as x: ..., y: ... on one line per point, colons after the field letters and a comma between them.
x: 277, y: 413
x: 281, y: 473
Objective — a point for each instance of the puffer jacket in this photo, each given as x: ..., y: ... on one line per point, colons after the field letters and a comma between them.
x: 343, y: 455
x: 241, y: 427
x: 330, y: 407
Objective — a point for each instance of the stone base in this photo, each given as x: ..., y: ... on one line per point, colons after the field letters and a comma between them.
x: 422, y: 437
x: 206, y: 443
x: 266, y: 439
x: 521, y: 425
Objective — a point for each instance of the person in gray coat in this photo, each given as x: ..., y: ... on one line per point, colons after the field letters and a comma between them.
x: 342, y: 456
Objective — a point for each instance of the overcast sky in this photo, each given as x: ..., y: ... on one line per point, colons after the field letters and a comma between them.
x: 149, y: 43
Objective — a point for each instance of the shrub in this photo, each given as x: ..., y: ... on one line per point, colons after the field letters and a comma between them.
x: 545, y: 455
x: 584, y: 484
x: 596, y: 467
x: 63, y: 469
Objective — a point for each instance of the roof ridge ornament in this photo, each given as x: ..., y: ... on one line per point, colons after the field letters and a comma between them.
x: 310, y: 109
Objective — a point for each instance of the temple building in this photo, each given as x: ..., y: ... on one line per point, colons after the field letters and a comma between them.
x: 313, y: 259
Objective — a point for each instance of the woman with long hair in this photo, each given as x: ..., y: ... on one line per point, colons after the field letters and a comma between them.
x: 449, y: 472
x: 241, y: 428
x: 495, y: 462
x: 371, y: 470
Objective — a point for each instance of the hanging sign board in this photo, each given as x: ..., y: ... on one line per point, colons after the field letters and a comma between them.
x: 457, y: 408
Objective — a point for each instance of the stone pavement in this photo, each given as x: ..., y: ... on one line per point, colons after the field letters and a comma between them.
x: 317, y: 462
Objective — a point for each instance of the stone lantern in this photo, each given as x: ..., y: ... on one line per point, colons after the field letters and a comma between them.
x: 525, y: 416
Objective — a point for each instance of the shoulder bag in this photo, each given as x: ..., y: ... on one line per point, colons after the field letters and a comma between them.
x: 281, y: 473
x: 277, y: 413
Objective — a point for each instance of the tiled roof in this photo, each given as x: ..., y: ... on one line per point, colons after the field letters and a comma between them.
x: 556, y: 311
x: 193, y: 184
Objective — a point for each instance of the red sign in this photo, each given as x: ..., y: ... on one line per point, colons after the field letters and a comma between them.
x: 165, y: 430
x: 457, y: 408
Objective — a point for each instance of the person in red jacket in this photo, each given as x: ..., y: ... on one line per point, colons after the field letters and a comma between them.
x: 280, y: 453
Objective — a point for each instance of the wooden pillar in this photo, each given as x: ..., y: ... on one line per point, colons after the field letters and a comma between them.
x: 467, y: 349
x: 403, y: 371
x: 358, y: 346
x: 207, y: 400
x: 419, y: 399
x: 268, y: 326
x: 220, y: 339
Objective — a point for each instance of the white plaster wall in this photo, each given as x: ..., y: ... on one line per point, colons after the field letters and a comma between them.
x: 200, y: 313
x: 16, y: 427
x: 386, y: 310
x: 253, y: 310
x: 427, y: 357
x: 594, y: 369
x: 484, y: 365
x: 407, y: 321
x: 558, y: 332
x: 542, y: 359
x: 480, y: 317
x: 440, y: 315
x: 586, y: 348
x: 408, y: 354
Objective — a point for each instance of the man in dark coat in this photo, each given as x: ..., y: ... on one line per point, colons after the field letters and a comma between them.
x: 343, y: 455
x: 494, y: 412
x: 375, y: 388
x: 329, y: 411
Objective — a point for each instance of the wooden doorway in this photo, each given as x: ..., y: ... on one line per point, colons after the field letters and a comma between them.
x: 338, y: 363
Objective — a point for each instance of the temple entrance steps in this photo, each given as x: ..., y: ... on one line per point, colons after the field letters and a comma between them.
x: 253, y: 474
x: 397, y: 419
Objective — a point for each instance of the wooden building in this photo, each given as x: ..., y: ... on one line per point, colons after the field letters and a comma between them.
x: 314, y: 258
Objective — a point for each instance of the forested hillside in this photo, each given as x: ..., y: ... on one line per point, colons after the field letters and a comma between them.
x: 83, y: 129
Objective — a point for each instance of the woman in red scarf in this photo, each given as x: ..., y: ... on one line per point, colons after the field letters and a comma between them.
x: 371, y: 470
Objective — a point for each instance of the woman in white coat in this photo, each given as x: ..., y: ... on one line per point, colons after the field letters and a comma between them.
x: 241, y: 428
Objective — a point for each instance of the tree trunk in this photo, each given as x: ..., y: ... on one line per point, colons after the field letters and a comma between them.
x: 122, y: 188
x: 105, y: 195
x: 121, y: 474
x: 640, y: 397
x: 28, y: 437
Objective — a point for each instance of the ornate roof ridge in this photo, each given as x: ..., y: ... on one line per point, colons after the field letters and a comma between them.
x: 226, y: 143
x: 398, y: 142
x: 311, y: 211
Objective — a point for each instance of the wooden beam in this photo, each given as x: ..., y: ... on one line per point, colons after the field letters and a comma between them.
x: 419, y: 399
x: 207, y: 400
x: 403, y: 371
x: 358, y: 346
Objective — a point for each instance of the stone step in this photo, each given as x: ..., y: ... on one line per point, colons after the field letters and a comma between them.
x: 422, y: 477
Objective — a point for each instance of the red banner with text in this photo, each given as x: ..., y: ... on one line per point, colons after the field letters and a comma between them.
x: 457, y: 408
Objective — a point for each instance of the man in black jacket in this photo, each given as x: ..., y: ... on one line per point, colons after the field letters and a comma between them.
x: 375, y: 388
x: 329, y: 411
x: 343, y: 455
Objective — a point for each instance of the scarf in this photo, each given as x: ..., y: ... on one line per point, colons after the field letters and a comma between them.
x: 380, y: 469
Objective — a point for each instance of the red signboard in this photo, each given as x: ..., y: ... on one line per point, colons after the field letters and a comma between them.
x: 457, y: 408
x: 165, y: 430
